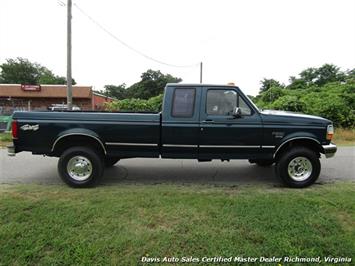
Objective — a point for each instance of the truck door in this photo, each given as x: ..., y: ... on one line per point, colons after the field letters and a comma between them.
x: 222, y: 135
x: 180, y: 122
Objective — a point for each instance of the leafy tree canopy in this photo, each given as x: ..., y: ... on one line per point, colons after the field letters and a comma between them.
x: 317, y: 76
x: 266, y: 84
x: 325, y: 91
x: 152, y: 83
x: 119, y: 92
x: 22, y: 71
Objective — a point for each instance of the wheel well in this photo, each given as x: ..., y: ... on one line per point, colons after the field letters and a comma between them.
x: 64, y: 143
x: 308, y: 143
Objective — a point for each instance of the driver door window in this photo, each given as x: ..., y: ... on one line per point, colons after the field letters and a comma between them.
x: 221, y: 102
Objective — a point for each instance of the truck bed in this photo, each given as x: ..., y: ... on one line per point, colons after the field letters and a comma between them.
x: 110, y: 128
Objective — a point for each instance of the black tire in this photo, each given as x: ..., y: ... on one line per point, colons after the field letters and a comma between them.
x: 304, y: 167
x: 263, y: 162
x: 86, y: 156
x: 110, y: 161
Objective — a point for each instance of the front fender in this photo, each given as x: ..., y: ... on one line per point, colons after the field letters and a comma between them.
x: 307, y: 136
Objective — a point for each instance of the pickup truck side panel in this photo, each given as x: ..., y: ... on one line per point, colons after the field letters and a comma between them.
x: 120, y: 134
x: 200, y: 135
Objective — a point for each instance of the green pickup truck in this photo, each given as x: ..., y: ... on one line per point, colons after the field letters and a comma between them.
x: 5, y: 122
x: 198, y: 121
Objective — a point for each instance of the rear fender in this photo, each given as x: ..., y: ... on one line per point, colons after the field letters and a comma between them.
x: 78, y: 132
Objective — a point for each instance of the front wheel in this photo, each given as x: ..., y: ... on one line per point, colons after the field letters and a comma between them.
x: 298, y: 167
x: 80, y: 167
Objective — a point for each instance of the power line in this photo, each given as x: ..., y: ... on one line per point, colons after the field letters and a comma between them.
x: 129, y: 46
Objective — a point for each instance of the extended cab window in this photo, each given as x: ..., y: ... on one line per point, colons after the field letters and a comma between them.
x: 183, y: 102
x: 221, y: 102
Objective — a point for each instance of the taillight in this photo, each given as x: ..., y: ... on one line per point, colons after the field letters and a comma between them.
x: 330, y: 132
x: 14, y: 129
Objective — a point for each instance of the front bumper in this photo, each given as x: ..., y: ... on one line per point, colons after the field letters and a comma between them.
x: 11, y: 150
x: 329, y: 150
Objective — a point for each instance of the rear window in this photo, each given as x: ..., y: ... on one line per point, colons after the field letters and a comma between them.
x: 183, y: 102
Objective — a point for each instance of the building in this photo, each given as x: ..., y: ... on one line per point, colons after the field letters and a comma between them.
x: 99, y: 100
x: 40, y: 97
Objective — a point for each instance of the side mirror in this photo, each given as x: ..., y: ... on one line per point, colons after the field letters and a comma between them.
x: 237, y: 112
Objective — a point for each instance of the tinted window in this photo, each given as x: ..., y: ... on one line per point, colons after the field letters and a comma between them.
x: 183, y: 102
x: 221, y: 102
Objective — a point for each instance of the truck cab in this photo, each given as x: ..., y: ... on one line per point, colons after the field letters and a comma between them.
x: 208, y: 122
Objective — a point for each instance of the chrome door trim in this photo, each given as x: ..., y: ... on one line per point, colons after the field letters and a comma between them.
x: 231, y: 146
x: 179, y: 146
x: 131, y: 144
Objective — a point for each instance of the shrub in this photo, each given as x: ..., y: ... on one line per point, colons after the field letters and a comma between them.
x: 334, y: 101
x: 136, y: 105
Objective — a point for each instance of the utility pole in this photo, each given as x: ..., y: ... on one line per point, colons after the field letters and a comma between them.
x: 69, y: 78
x: 200, y: 72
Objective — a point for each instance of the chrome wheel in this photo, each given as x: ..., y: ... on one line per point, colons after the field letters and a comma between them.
x: 300, y: 168
x: 79, y: 168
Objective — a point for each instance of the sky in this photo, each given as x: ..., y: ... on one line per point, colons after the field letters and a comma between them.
x: 237, y: 41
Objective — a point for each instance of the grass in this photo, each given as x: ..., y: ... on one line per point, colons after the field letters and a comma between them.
x: 118, y: 225
x: 344, y: 136
x: 5, y: 138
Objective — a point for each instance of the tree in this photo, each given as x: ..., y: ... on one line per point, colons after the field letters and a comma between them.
x: 22, y: 71
x: 119, y: 92
x: 328, y: 73
x: 272, y: 94
x: 308, y: 76
x: 19, y: 70
x: 296, y: 83
x: 152, y: 84
x: 47, y: 77
x: 350, y: 75
x: 317, y: 76
x: 266, y: 84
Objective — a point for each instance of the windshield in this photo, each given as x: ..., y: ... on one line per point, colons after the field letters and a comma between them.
x: 253, y: 104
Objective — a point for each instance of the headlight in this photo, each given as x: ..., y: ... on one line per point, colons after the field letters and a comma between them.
x: 330, y: 132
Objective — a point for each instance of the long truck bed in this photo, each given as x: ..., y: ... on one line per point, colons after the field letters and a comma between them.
x: 107, y: 127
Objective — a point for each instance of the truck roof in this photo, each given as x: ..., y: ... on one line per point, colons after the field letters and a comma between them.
x: 200, y: 85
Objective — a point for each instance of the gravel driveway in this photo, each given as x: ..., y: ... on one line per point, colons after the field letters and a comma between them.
x: 28, y: 168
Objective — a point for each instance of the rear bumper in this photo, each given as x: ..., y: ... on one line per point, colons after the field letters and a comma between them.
x: 329, y: 150
x: 11, y: 150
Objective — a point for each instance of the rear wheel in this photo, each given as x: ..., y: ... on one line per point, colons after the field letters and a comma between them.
x: 111, y: 161
x: 80, y: 166
x: 298, y: 167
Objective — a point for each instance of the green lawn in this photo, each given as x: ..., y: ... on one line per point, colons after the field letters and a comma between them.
x: 5, y: 138
x: 344, y: 136
x: 47, y: 224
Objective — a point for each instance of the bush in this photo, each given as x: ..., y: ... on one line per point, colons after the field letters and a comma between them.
x: 334, y: 101
x: 289, y: 103
x: 153, y: 104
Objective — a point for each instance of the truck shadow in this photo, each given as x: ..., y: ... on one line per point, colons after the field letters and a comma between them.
x: 188, y: 171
